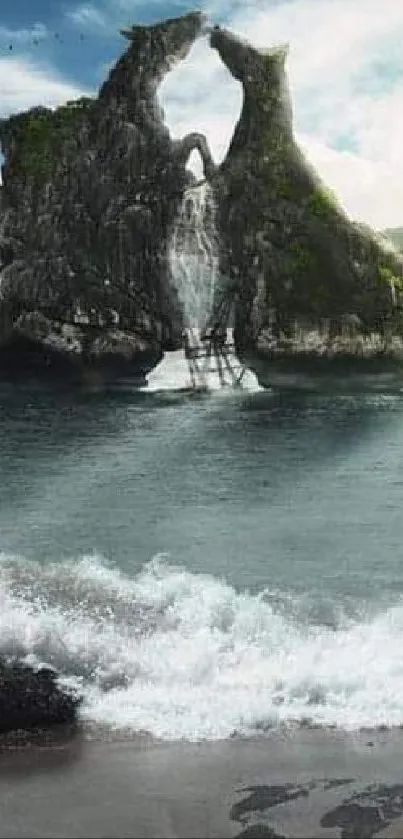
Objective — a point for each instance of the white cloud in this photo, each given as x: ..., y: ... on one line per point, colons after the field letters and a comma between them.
x: 87, y: 16
x: 346, y: 79
x: 109, y: 15
x: 24, y: 84
x: 369, y: 190
x: 201, y: 95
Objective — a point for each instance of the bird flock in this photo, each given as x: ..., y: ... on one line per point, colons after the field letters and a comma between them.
x: 37, y: 41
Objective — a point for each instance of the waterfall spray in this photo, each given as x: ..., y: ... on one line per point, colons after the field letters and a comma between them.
x: 194, y: 255
x: 195, y: 272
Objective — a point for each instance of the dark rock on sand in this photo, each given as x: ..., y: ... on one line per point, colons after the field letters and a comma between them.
x: 31, y: 699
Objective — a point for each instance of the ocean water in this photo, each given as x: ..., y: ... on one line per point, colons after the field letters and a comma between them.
x: 211, y: 566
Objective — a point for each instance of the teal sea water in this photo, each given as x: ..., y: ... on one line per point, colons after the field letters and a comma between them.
x: 207, y: 566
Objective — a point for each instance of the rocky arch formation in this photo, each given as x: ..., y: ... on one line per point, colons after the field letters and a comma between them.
x: 91, y: 192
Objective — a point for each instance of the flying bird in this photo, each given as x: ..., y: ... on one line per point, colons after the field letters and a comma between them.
x: 37, y: 41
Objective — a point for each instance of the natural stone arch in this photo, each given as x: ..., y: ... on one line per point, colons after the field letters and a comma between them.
x: 204, y: 120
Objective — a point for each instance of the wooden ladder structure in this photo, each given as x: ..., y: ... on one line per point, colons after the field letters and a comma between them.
x: 212, y: 353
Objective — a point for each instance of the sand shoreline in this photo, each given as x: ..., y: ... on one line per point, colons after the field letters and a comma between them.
x: 304, y: 783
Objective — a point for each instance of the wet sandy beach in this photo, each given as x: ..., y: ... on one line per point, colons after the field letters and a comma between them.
x: 304, y: 783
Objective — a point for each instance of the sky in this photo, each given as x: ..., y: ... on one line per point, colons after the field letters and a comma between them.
x: 345, y: 68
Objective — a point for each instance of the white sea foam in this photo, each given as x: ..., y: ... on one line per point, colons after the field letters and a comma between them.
x: 173, y: 373
x: 182, y: 655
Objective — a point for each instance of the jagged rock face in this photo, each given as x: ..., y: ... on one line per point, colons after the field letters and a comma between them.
x: 90, y: 193
x: 291, y: 255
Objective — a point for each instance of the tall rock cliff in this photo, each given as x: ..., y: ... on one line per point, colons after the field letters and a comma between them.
x: 90, y: 193
x: 306, y: 279
x: 90, y: 196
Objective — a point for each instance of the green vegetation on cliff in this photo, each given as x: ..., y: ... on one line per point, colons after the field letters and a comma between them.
x: 323, y: 203
x: 303, y: 259
x: 298, y: 255
x: 387, y: 278
x: 40, y: 135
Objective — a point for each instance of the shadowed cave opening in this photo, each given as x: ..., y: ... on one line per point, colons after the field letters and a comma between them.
x: 199, y: 94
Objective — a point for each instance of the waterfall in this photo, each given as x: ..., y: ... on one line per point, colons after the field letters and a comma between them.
x: 195, y: 273
x: 194, y: 255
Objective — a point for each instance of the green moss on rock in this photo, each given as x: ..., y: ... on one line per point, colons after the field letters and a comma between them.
x: 316, y: 265
x: 323, y: 203
x: 40, y: 135
x: 303, y: 259
x: 386, y: 277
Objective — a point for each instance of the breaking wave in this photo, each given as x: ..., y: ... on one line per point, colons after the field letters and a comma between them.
x: 182, y: 655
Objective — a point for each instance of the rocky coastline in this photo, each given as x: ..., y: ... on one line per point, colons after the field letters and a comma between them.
x: 31, y: 699
x: 85, y: 276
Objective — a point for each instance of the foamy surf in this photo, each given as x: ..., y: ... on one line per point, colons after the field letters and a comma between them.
x: 182, y: 655
x: 173, y: 374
